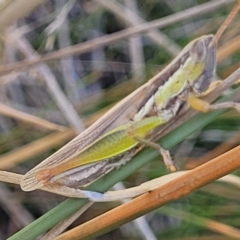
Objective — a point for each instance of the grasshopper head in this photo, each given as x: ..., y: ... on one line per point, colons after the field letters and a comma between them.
x: 203, y: 50
x: 201, y: 46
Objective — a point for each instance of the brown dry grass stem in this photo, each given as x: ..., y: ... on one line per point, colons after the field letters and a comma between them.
x: 228, y: 49
x: 34, y: 148
x: 11, y: 11
x: 28, y: 118
x: 225, y: 146
x: 46, y: 74
x: 227, y: 21
x: 107, y: 39
x: 133, y: 19
x: 173, y: 190
x: 12, y: 204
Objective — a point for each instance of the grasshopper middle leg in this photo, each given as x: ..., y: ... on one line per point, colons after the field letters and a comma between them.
x: 165, y: 153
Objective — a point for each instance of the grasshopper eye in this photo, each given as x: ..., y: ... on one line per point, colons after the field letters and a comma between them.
x: 198, y: 50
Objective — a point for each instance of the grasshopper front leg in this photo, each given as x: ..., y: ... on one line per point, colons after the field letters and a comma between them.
x: 204, y: 106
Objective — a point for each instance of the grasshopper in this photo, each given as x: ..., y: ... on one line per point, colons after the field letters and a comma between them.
x: 112, y: 140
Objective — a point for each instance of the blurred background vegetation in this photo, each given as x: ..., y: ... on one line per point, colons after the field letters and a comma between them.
x: 72, y: 91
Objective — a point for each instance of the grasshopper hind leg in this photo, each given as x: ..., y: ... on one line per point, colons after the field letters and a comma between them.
x: 67, y: 184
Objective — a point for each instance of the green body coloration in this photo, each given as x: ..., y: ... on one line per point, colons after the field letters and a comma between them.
x: 118, y: 140
x: 185, y: 76
x: 109, y: 145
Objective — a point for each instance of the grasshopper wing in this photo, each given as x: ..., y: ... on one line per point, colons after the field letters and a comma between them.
x: 118, y: 115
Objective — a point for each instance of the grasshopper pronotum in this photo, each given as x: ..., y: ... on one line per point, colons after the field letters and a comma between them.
x: 114, y: 138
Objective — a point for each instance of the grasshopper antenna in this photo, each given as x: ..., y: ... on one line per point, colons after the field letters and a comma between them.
x: 227, y: 21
